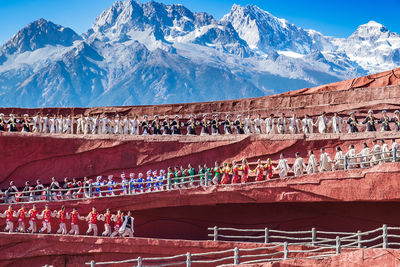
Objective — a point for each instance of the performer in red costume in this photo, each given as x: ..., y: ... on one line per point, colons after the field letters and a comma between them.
x: 92, y: 221
x: 245, y: 171
x: 118, y: 223
x: 62, y: 215
x: 235, y: 173
x: 33, y: 216
x: 225, y: 173
x: 106, y: 217
x: 259, y: 171
x: 8, y: 214
x: 269, y: 168
x: 46, y: 216
x: 74, y: 216
x: 21, y: 219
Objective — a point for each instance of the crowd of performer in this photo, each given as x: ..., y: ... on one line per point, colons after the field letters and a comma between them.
x: 117, y: 224
x: 213, y: 124
x: 226, y: 173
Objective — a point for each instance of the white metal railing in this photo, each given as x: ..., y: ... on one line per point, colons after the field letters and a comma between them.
x: 375, y: 237
x: 125, y: 188
x: 321, y: 244
x: 370, y: 160
x: 231, y: 256
x: 165, y: 184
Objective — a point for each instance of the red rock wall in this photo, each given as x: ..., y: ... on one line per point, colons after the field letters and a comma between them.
x: 391, y: 77
x: 373, y: 91
x: 30, y: 157
x: 328, y: 201
x: 371, y: 257
x: 68, y: 251
x: 342, y: 201
x: 38, y: 250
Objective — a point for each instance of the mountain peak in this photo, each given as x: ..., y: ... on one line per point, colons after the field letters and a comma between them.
x: 265, y: 32
x: 374, y: 24
x: 249, y: 10
x: 371, y: 27
x: 123, y: 17
x: 39, y: 34
x: 40, y: 21
x: 371, y: 30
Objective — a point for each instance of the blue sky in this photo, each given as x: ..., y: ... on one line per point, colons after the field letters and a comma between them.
x: 337, y: 18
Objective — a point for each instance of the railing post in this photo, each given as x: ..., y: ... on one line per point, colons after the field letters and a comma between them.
x: 130, y: 188
x: 285, y: 250
x: 266, y: 235
x: 92, y: 264
x: 313, y: 236
x: 134, y: 188
x: 359, y: 236
x: 188, y: 261
x: 90, y: 190
x: 139, y: 262
x: 236, y: 256
x: 6, y: 197
x: 215, y: 233
x: 346, y: 163
x: 338, y: 246
x: 48, y: 194
x: 384, y: 236
x: 394, y: 154
x: 168, y: 183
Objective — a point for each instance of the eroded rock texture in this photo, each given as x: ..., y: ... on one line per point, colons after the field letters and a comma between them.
x: 335, y: 201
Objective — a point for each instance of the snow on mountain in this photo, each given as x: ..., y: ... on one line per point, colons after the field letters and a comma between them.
x: 72, y: 77
x: 265, y: 32
x: 151, y: 53
x: 158, y: 76
x: 159, y: 26
x: 38, y: 34
x: 373, y: 47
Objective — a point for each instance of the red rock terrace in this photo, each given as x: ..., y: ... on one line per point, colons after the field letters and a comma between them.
x: 175, y: 222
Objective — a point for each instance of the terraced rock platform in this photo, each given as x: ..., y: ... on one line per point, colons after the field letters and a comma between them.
x: 168, y: 223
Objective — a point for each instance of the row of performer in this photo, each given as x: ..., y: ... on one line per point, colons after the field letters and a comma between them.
x: 225, y: 173
x: 101, y: 124
x: 118, y: 224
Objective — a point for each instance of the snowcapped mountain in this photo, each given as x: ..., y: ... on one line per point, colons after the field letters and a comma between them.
x: 159, y: 26
x: 151, y: 53
x: 263, y: 31
x: 373, y: 47
x: 39, y: 34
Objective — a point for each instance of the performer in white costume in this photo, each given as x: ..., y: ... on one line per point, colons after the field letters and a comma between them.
x: 337, y: 123
x: 282, y: 166
x: 322, y: 123
x: 312, y: 166
x: 339, y: 159
x: 294, y: 125
x: 307, y: 125
x: 270, y: 124
x: 325, y: 162
x: 350, y: 155
x: 299, y: 166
